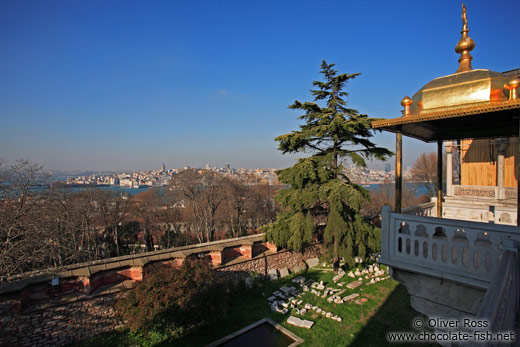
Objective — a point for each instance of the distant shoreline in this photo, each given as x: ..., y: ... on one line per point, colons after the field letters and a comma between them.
x: 133, y: 191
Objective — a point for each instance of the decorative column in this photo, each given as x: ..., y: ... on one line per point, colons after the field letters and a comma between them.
x: 439, y: 178
x: 501, y: 148
x: 398, y: 171
x: 449, y: 167
x: 406, y: 103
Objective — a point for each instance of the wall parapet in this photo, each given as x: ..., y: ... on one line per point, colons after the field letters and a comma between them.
x: 83, y: 281
x: 39, y: 314
x: 138, y: 259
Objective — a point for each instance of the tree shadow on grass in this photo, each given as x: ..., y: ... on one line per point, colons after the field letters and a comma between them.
x: 247, y: 307
x: 395, y: 315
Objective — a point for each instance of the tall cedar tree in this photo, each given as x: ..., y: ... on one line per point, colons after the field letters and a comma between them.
x: 321, y: 198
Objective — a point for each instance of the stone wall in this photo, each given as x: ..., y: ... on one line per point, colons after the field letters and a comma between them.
x: 265, y: 262
x: 59, y: 325
x: 33, y: 315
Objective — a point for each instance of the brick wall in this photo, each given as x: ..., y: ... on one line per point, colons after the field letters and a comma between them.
x: 33, y: 315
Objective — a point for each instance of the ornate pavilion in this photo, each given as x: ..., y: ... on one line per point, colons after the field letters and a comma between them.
x: 458, y: 256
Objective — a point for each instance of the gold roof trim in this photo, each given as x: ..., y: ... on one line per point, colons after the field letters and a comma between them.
x: 452, y: 113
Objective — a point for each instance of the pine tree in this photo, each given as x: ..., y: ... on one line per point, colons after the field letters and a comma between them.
x: 321, y: 199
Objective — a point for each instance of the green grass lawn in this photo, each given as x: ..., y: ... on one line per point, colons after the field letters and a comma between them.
x: 387, y: 309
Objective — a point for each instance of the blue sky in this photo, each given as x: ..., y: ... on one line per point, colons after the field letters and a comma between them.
x: 113, y: 85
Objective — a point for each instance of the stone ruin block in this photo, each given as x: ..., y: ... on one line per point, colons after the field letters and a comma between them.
x: 284, y: 272
x: 273, y: 275
x: 300, y: 280
x: 338, y: 277
x: 353, y: 285
x: 312, y: 262
x: 309, y: 282
x: 302, y: 323
x: 350, y: 297
x: 285, y: 289
x: 299, y: 268
x: 275, y: 307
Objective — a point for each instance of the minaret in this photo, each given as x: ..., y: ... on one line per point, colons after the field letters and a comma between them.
x: 465, y: 45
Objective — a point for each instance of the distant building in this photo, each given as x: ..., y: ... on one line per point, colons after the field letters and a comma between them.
x: 387, y: 168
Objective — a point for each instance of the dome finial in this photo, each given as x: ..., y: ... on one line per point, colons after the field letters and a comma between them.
x: 464, y: 18
x: 465, y: 45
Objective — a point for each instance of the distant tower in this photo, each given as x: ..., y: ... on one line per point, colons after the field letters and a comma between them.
x: 387, y: 168
x: 163, y: 168
x: 227, y: 166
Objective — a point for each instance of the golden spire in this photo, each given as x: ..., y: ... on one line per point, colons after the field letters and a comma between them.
x: 465, y: 45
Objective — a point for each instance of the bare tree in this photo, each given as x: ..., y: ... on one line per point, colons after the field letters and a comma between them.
x: 261, y: 205
x: 22, y: 242
x: 203, y: 193
x: 424, y: 171
x: 384, y: 195
x: 156, y: 215
x: 238, y: 195
x: 113, y: 208
x: 71, y: 223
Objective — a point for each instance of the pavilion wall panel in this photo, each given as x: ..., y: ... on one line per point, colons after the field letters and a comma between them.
x: 478, y: 166
x: 510, y: 179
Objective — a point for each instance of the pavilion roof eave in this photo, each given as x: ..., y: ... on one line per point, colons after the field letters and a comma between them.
x: 491, y: 120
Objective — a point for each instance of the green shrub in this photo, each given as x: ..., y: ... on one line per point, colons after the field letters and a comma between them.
x: 174, y: 301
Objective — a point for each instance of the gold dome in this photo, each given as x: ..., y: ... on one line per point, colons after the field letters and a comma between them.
x: 464, y: 88
x: 467, y: 104
x: 460, y: 90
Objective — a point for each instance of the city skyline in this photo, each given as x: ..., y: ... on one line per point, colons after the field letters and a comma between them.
x: 113, y: 85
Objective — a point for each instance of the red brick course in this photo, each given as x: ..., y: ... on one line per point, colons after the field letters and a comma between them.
x: 81, y: 307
